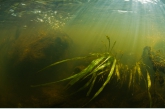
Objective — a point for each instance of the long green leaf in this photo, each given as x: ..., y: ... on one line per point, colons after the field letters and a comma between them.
x: 101, y: 66
x: 95, y: 76
x: 117, y: 73
x: 77, y: 58
x: 87, y: 70
x: 107, y: 80
x: 86, y: 85
x: 139, y: 72
x: 73, y: 76
x: 130, y: 79
x: 100, y: 73
x: 149, y: 86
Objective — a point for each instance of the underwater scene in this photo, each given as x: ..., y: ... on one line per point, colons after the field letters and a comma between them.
x: 82, y: 53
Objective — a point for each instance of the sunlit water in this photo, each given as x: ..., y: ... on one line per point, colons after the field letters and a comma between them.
x: 133, y: 24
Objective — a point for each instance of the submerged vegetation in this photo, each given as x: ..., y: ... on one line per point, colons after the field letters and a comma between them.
x: 105, y: 66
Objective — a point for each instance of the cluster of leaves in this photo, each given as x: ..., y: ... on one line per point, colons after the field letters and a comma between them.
x: 104, y: 64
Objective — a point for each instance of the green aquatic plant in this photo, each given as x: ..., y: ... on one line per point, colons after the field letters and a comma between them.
x: 149, y: 87
x: 97, y: 67
x: 105, y: 65
x: 136, y: 70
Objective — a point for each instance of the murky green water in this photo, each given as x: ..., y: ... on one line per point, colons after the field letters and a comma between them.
x: 37, y: 33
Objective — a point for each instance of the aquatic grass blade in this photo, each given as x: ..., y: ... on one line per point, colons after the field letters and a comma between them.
x: 117, y: 72
x: 149, y: 80
x: 130, y: 79
x: 73, y: 76
x: 100, y: 73
x: 107, y: 80
x: 113, y: 46
x: 101, y: 66
x: 59, y: 62
x: 139, y: 72
x: 149, y: 86
x: 95, y: 76
x: 86, y: 85
x: 108, y: 38
x: 87, y: 70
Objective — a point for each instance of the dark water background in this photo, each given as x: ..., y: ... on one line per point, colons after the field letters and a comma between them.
x: 36, y: 33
